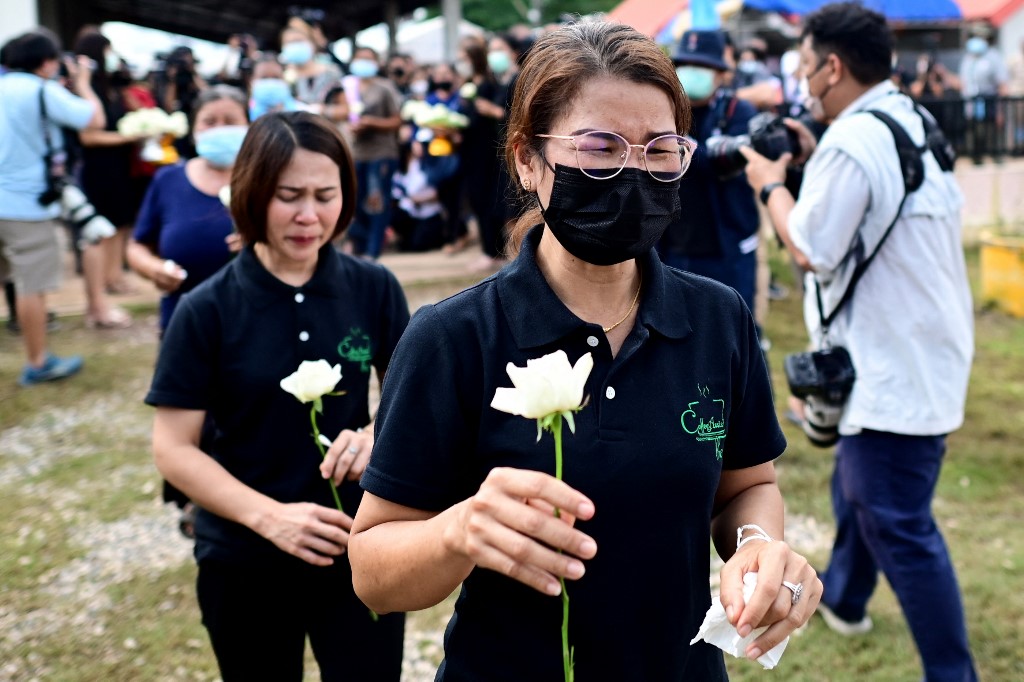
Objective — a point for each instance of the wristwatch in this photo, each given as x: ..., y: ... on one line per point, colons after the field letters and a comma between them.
x: 768, y: 189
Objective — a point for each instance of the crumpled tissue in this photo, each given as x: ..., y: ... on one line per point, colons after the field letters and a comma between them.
x: 717, y: 630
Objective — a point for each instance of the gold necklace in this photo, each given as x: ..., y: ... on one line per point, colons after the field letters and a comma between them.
x: 632, y: 305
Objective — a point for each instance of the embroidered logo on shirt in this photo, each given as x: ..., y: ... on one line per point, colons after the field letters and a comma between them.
x: 356, y: 347
x: 705, y: 419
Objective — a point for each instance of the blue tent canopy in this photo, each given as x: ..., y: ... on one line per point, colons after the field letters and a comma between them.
x: 899, y: 10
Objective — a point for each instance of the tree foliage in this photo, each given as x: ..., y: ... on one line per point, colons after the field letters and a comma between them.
x: 499, y: 15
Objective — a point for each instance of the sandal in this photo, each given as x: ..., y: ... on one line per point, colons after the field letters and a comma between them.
x: 116, y: 318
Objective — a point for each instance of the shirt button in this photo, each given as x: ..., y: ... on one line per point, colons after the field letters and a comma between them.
x: 592, y: 341
x: 303, y: 336
x: 299, y: 298
x: 609, y: 393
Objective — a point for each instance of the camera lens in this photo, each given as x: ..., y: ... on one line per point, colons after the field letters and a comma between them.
x: 821, y: 421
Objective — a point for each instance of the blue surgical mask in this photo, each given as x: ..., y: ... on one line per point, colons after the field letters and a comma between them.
x: 270, y: 92
x: 698, y: 82
x: 977, y: 45
x: 363, y: 68
x: 499, y: 61
x: 298, y: 53
x: 219, y: 146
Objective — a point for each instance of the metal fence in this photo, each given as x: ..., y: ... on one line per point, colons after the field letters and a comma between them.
x: 981, y: 127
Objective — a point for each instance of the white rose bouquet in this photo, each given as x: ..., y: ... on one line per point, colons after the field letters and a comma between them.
x: 549, y: 390
x: 309, y: 384
x: 159, y: 128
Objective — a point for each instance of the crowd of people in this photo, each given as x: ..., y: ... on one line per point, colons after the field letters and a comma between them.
x: 619, y: 194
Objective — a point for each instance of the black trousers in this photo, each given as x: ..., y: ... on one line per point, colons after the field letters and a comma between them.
x: 258, y: 616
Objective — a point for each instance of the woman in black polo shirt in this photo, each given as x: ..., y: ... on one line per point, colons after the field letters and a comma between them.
x: 270, y: 543
x: 674, y: 448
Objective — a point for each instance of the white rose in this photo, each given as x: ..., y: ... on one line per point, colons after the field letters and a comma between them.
x: 177, y: 124
x: 468, y: 90
x: 225, y: 195
x: 411, y: 108
x: 312, y: 380
x: 547, y: 385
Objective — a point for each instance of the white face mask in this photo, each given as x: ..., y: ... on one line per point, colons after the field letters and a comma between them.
x: 464, y: 68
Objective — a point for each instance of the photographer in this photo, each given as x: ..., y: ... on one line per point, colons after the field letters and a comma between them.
x: 907, y: 327
x: 716, y: 234
x: 32, y: 109
x: 177, y: 87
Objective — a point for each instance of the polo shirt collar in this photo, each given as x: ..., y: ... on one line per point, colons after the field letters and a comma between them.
x: 263, y: 288
x: 537, y: 317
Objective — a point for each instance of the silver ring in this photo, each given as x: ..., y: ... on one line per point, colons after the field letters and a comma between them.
x: 353, y: 449
x: 796, y: 588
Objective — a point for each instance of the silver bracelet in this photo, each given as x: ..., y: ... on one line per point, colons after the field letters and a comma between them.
x: 759, y: 534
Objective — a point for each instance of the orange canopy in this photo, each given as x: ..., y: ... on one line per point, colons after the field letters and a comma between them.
x: 648, y: 16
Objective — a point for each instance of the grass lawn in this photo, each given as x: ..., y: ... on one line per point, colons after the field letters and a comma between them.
x: 96, y: 585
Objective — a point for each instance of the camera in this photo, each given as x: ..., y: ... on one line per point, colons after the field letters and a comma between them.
x: 767, y: 135
x: 823, y: 379
x: 55, y: 163
x: 89, y: 225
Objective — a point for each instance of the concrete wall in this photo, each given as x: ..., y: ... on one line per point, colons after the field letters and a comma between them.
x: 16, y: 17
x: 1011, y: 34
x: 993, y: 197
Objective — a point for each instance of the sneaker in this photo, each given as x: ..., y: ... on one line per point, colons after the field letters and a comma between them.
x: 844, y: 627
x: 53, y: 368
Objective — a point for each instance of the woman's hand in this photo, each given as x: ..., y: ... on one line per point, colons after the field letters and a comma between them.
x: 309, y: 531
x: 509, y: 527
x: 489, y: 109
x: 166, y: 275
x: 234, y: 242
x: 348, y: 456
x: 772, y: 602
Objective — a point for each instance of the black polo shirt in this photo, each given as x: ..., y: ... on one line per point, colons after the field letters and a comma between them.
x: 687, y: 396
x: 233, y: 339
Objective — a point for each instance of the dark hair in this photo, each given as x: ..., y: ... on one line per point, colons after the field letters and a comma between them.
x: 332, y: 93
x: 267, y: 150
x: 860, y: 38
x: 5, y: 50
x: 31, y: 50
x: 557, y: 68
x: 93, y: 45
x: 476, y: 49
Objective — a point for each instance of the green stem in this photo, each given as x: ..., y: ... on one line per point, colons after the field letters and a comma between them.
x: 556, y: 431
x: 323, y: 454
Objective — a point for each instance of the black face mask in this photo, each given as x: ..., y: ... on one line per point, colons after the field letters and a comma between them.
x: 441, y: 85
x: 605, y: 222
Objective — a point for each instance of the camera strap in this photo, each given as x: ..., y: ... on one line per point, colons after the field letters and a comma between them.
x: 912, y: 167
x: 44, y: 118
x: 46, y: 126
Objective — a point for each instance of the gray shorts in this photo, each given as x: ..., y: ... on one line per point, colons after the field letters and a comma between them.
x: 30, y: 255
